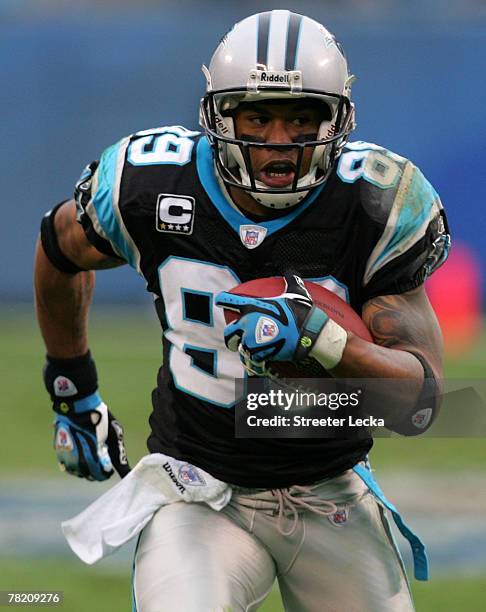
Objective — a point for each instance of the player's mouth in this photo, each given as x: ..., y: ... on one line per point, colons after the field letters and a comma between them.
x: 278, y: 173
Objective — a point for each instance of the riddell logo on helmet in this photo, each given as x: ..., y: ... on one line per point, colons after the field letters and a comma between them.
x: 274, y: 77
x: 221, y: 125
x: 286, y: 79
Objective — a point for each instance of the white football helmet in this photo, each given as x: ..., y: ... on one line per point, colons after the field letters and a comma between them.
x: 277, y: 55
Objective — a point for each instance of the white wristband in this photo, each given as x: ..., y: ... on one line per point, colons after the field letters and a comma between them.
x: 329, y: 347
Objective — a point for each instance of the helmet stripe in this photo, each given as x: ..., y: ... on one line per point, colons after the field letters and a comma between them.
x: 293, y: 34
x: 263, y: 35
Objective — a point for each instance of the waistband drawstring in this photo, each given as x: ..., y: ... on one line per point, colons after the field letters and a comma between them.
x: 307, y: 501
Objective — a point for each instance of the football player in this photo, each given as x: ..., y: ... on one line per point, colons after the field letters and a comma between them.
x: 271, y: 186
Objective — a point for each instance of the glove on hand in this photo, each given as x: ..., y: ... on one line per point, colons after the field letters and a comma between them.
x: 282, y: 328
x: 87, y: 438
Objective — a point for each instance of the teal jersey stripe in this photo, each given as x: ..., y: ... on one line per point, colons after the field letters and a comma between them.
x: 415, y: 210
x: 232, y: 216
x: 104, y: 204
x: 419, y: 553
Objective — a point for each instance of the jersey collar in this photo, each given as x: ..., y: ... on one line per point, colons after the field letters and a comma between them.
x: 233, y: 216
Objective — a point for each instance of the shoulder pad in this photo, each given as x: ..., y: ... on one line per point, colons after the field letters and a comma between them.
x: 377, y: 173
x: 171, y: 144
x: 103, y: 206
x: 179, y: 130
x: 406, y: 210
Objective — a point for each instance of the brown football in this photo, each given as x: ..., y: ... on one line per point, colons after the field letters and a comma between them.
x: 337, y: 309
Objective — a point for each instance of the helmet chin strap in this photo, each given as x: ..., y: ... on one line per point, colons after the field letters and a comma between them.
x: 278, y: 201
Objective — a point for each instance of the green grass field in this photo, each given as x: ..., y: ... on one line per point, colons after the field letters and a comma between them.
x: 127, y: 349
x: 88, y: 589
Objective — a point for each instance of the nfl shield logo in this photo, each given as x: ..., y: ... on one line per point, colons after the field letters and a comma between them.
x: 63, y: 441
x: 266, y: 330
x: 252, y: 235
x: 63, y: 387
x: 339, y: 517
x: 422, y: 418
x: 269, y: 330
x: 189, y: 475
x: 251, y: 238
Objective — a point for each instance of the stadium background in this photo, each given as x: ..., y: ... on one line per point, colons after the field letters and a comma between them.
x: 76, y: 78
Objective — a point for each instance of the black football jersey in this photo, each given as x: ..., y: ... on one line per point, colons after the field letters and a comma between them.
x: 376, y: 227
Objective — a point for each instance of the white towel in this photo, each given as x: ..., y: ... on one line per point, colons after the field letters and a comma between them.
x: 122, y: 512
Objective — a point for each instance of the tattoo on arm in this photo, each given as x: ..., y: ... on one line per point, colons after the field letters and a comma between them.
x: 406, y: 322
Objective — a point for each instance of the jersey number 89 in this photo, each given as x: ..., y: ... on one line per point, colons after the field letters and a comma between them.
x: 200, y: 363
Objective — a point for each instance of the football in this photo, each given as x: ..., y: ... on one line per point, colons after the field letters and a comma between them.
x: 337, y: 309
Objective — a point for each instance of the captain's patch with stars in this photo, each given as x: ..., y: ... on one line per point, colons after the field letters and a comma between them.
x: 175, y: 213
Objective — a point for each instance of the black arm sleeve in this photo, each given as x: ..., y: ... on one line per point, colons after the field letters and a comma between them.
x: 51, y: 246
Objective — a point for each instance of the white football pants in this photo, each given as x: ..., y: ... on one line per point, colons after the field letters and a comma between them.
x: 191, y: 558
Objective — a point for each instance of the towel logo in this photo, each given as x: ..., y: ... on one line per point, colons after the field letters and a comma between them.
x: 189, y: 475
x: 168, y: 468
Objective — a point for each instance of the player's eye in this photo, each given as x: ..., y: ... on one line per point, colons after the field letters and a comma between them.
x: 259, y: 120
x: 301, y: 121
